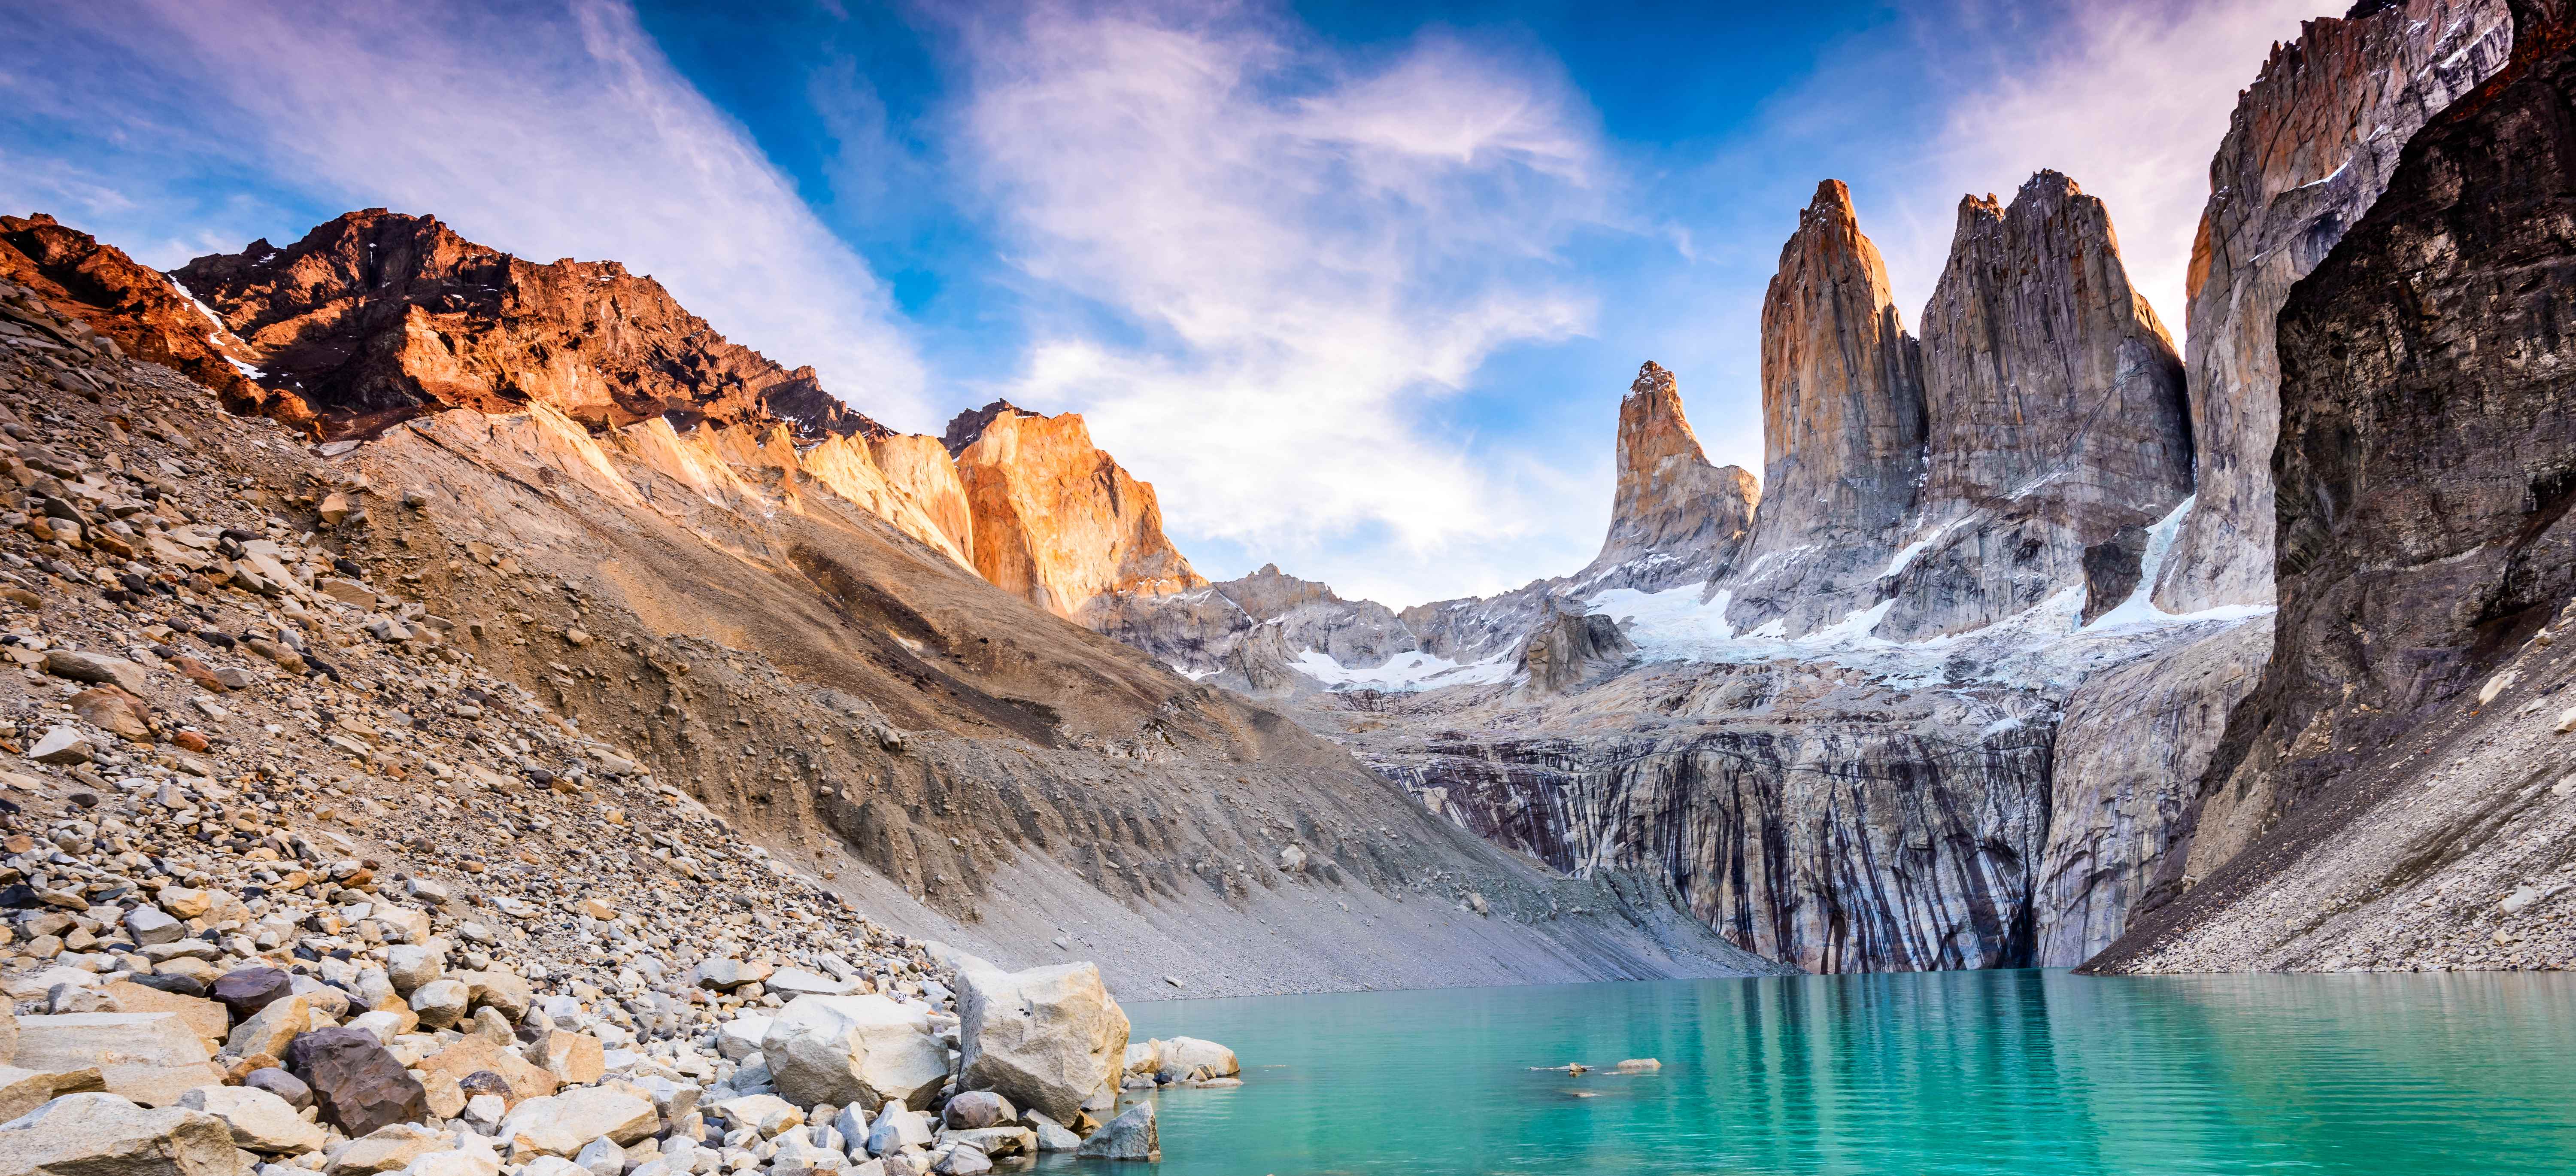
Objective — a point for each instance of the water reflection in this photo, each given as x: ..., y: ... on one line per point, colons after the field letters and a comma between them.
x: 2021, y: 1072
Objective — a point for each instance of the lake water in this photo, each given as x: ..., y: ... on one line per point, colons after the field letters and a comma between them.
x: 2006, y: 1072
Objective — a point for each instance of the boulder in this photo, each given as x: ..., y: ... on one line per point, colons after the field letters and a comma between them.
x: 150, y: 1058
x: 1047, y: 1038
x: 563, y: 1124
x: 995, y: 1141
x: 1194, y: 1058
x: 204, y: 1017
x: 441, y: 1003
x: 898, y: 1127
x: 602, y: 1157
x: 1051, y: 1135
x: 270, y: 1029
x: 726, y: 975
x: 282, y: 1084
x: 356, y: 1081
x: 477, y: 1054
x: 1130, y: 1136
x: 23, y: 1090
x: 385, y: 1149
x: 864, y: 1050
x: 740, y: 1037
x: 249, y: 990
x: 975, y: 1109
x: 97, y: 669
x: 508, y: 994
x: 62, y: 746
x: 573, y: 1058
x: 472, y: 1156
x: 104, y: 1135
x: 148, y: 925
x: 411, y: 965
x: 260, y: 1121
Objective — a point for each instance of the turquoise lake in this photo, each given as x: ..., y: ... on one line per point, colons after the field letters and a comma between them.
x: 2022, y: 1072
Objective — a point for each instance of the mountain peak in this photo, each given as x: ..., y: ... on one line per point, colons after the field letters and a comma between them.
x: 375, y: 317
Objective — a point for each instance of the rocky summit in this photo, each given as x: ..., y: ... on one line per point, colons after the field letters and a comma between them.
x: 1959, y: 684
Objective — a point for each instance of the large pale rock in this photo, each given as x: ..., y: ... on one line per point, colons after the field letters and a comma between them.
x: 741, y: 1037
x: 896, y: 1128
x: 562, y: 1124
x: 386, y: 1149
x: 507, y: 994
x: 356, y: 1081
x: 23, y: 1090
x: 105, y: 1135
x: 1192, y: 1057
x: 1676, y: 518
x: 270, y: 1029
x: 98, y: 669
x: 1842, y: 428
x: 866, y: 1050
x: 411, y: 965
x: 1047, y: 1038
x: 1130, y: 1136
x: 151, y: 1058
x: 206, y: 1017
x: 259, y: 1120
x: 476, y: 1053
x: 573, y: 1058
x: 2311, y: 146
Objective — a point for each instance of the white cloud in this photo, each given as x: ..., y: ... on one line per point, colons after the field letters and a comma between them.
x: 1300, y: 252
x: 551, y: 131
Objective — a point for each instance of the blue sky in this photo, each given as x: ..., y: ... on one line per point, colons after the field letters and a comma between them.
x: 1357, y: 286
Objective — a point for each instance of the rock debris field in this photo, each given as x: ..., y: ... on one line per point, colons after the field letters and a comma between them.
x: 289, y: 885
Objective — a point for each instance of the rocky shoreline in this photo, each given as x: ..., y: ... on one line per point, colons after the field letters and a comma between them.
x: 292, y: 885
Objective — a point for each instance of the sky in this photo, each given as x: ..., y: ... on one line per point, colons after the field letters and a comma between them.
x: 1357, y: 286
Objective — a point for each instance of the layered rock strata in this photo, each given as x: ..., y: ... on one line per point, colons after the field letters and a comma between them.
x: 1811, y: 815
x: 2392, y: 794
x: 2311, y: 145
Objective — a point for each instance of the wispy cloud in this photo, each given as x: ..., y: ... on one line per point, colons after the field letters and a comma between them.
x: 1296, y: 253
x: 551, y: 130
x: 2129, y: 97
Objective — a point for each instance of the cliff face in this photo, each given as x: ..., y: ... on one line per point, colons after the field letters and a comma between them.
x: 377, y: 317
x: 1676, y: 519
x: 148, y: 317
x: 1807, y: 813
x: 1842, y: 426
x: 1056, y: 521
x: 2310, y: 148
x: 2058, y: 431
x: 2397, y: 779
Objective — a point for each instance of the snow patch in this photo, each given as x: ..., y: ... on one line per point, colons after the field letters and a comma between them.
x: 1414, y: 670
